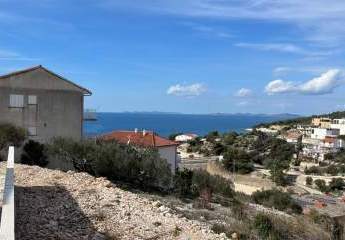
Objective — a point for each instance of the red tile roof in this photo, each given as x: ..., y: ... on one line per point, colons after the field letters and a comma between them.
x: 150, y: 139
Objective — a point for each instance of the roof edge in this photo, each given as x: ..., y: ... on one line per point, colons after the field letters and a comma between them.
x: 84, y: 90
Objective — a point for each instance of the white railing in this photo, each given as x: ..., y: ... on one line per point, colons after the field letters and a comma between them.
x: 7, y: 212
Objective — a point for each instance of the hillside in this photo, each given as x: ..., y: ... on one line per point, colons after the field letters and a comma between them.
x: 304, y: 120
x: 57, y: 205
x: 51, y: 204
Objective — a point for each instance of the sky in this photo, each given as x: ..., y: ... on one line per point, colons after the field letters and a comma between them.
x: 188, y: 56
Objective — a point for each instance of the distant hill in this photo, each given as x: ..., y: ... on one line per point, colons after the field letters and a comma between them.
x: 303, y: 120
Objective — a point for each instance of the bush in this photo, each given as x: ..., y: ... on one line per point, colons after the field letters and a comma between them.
x: 141, y: 167
x: 11, y: 135
x: 264, y: 225
x: 337, y: 184
x: 183, y: 183
x: 34, y: 154
x: 321, y: 185
x: 309, y: 181
x: 313, y: 170
x: 202, y: 180
x: 332, y: 170
x: 238, y: 160
x: 276, y: 199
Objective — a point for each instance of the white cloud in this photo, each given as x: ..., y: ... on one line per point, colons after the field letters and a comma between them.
x: 323, y: 84
x: 192, y: 90
x: 280, y: 47
x: 318, y: 20
x: 279, y: 86
x: 244, y: 92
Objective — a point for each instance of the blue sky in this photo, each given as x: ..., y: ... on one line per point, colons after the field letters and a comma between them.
x: 190, y: 56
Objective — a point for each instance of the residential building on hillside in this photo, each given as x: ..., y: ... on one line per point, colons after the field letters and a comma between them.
x: 321, y: 122
x: 44, y: 103
x: 185, y: 137
x: 167, y: 149
x: 339, y: 124
x: 321, y: 133
x: 292, y: 136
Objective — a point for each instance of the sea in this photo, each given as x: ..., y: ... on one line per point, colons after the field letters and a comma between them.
x: 165, y: 124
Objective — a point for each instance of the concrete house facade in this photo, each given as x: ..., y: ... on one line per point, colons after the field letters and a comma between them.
x: 44, y: 103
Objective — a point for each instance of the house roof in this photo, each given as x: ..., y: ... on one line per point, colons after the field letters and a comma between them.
x: 149, y: 139
x: 84, y: 90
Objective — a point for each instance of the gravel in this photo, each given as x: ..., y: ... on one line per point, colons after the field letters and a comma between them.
x: 51, y: 204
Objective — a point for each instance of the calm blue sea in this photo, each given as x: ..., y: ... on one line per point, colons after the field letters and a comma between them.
x: 164, y: 124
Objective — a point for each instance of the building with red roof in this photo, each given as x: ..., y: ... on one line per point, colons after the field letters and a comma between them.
x: 147, y: 139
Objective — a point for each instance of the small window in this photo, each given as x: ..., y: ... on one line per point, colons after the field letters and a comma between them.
x: 32, y: 131
x: 16, y: 101
x: 32, y: 100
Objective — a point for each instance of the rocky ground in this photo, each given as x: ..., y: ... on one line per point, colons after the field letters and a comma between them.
x: 56, y: 205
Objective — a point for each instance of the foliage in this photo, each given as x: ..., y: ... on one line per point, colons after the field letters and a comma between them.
x: 309, y: 181
x: 212, y: 136
x: 313, y: 170
x: 183, y: 182
x: 34, y: 154
x: 237, y: 160
x: 229, y: 138
x: 337, y: 184
x: 11, y: 135
x: 264, y: 225
x: 202, y: 180
x: 332, y: 170
x: 142, y: 167
x: 191, y: 184
x: 276, y: 199
x: 321, y: 185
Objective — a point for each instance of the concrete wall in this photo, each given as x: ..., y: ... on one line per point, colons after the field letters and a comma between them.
x: 59, y: 109
x: 170, y: 154
x: 57, y: 113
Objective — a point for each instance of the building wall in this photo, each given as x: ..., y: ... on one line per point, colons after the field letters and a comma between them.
x: 170, y: 154
x: 58, y: 113
x: 341, y: 127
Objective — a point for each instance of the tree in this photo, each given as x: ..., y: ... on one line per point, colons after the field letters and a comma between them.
x: 237, y: 160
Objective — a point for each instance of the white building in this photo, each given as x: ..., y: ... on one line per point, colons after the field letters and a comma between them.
x: 321, y: 133
x: 339, y: 124
x: 185, y: 137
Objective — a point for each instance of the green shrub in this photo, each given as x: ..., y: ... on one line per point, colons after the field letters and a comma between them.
x: 309, y: 181
x: 332, y: 170
x: 11, y: 135
x: 337, y: 184
x: 34, y: 154
x: 264, y: 225
x: 238, y: 160
x: 202, y: 180
x: 321, y: 185
x: 183, y: 183
x: 276, y: 199
x: 139, y: 166
x: 313, y: 170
